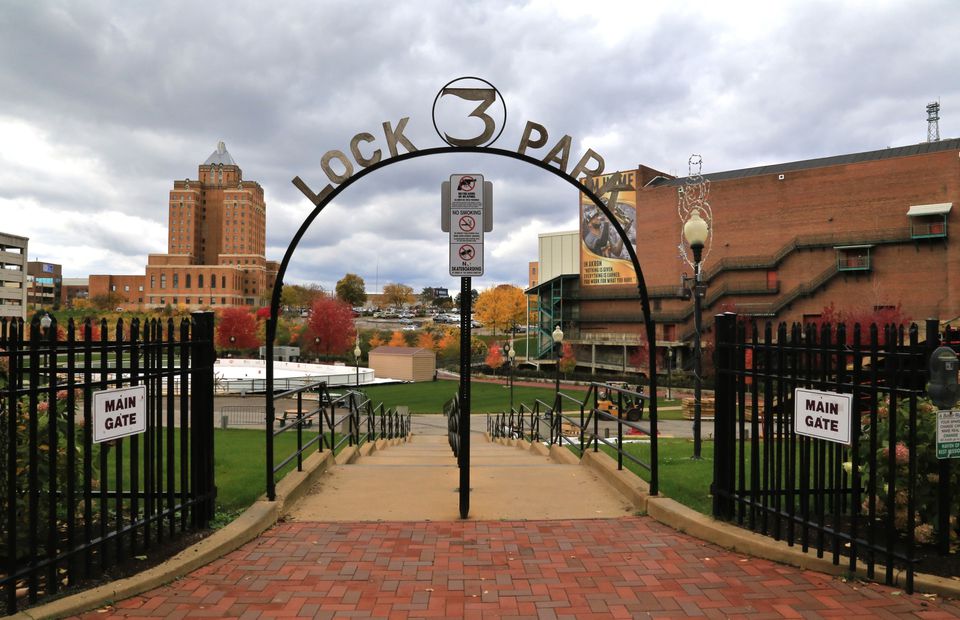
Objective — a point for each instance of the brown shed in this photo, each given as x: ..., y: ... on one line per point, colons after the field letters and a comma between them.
x: 404, y: 363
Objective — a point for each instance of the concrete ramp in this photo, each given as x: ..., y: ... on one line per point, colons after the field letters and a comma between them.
x: 418, y: 481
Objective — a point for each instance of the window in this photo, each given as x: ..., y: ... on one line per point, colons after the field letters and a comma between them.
x: 176, y: 280
x: 187, y: 301
x: 188, y: 281
x: 853, y: 258
x: 213, y: 280
x: 113, y: 288
x: 126, y: 288
x: 223, y: 281
x: 199, y: 280
x: 163, y: 283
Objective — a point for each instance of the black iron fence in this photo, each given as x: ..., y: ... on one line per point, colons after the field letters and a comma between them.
x: 782, y: 467
x: 341, y: 419
x: 575, y: 423
x: 71, y: 506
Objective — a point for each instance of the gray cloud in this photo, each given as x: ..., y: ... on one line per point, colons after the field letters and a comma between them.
x: 103, y: 105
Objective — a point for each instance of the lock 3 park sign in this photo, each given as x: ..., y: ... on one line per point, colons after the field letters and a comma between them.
x: 469, y: 101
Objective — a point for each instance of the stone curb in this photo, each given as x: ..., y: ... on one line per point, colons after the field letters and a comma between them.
x: 252, y: 522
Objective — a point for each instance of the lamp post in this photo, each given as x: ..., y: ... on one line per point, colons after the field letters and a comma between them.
x: 511, y: 357
x: 356, y: 358
x: 316, y: 346
x: 695, y: 231
x: 233, y: 340
x: 558, y: 350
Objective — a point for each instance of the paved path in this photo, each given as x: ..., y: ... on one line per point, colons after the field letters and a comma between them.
x: 631, y: 567
x: 419, y: 481
x: 327, y: 561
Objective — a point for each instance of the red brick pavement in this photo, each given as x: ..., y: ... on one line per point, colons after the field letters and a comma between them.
x: 623, y: 568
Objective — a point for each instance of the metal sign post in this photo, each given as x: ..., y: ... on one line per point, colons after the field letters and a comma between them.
x: 463, y: 458
x: 466, y: 214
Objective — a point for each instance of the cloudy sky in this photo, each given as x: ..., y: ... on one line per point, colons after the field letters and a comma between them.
x: 104, y: 104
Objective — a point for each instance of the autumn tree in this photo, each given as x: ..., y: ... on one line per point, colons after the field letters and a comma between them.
x: 330, y: 330
x: 502, y: 307
x: 880, y: 315
x: 237, y: 329
x: 567, y: 361
x: 300, y: 297
x: 397, y: 295
x: 352, y: 289
x: 397, y: 339
x: 425, y: 340
x: 107, y: 301
x: 375, y: 341
x: 494, y: 357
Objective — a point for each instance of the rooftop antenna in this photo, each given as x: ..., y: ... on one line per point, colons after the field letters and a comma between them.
x: 933, y: 121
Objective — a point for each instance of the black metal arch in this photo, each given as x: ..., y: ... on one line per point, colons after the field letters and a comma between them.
x: 328, y: 197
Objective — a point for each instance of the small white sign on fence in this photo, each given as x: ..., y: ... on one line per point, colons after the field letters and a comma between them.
x: 823, y: 415
x: 119, y: 413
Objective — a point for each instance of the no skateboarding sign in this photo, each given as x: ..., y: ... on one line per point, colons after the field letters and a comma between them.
x: 466, y: 234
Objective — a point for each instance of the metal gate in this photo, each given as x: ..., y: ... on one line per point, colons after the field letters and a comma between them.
x: 72, y: 508
x: 878, y: 500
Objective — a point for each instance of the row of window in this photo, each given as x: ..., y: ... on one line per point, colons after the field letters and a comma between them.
x: 187, y: 281
x: 187, y: 300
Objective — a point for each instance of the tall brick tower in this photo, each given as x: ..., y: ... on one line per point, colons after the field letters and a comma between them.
x: 216, y: 241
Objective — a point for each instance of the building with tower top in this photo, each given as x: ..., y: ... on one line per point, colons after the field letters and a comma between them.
x: 216, y: 245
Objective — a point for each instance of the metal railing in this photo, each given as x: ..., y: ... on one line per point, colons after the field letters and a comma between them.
x: 575, y: 423
x: 342, y: 420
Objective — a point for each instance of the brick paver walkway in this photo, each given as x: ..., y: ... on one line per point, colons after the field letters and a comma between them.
x: 625, y: 568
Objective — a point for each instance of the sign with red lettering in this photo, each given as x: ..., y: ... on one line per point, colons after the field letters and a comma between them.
x: 119, y: 413
x: 823, y: 415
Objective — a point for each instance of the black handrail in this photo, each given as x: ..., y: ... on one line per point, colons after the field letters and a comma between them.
x: 584, y: 417
x: 381, y: 423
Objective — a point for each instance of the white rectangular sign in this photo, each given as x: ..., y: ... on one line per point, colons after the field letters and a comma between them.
x: 120, y: 412
x: 824, y: 415
x: 948, y: 434
x: 466, y: 225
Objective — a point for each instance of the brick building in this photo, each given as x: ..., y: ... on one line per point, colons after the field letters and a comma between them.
x: 862, y: 232
x: 216, y: 245
x: 44, y: 284
x: 13, y: 276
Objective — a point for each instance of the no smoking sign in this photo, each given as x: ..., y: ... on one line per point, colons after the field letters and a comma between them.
x: 466, y: 232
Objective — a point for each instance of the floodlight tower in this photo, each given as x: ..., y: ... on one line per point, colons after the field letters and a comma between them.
x: 933, y: 121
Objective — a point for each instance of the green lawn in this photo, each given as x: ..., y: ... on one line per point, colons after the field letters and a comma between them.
x: 429, y: 397
x: 681, y: 478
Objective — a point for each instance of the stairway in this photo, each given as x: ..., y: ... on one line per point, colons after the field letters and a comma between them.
x: 418, y: 481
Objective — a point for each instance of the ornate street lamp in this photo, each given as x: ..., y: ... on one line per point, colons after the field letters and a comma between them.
x: 695, y: 231
x: 558, y: 350
x: 697, y: 217
x: 511, y: 357
x: 45, y: 322
x: 356, y: 358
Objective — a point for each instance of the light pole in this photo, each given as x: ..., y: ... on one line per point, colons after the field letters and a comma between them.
x: 558, y: 350
x: 511, y: 356
x: 316, y: 347
x: 695, y: 231
x: 356, y: 358
x: 233, y: 340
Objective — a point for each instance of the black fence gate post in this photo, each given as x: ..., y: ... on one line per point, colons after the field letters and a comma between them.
x: 201, y: 418
x: 943, y: 473
x: 724, y: 417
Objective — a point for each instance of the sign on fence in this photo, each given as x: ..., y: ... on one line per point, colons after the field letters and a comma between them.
x: 948, y: 434
x: 119, y: 412
x: 823, y: 415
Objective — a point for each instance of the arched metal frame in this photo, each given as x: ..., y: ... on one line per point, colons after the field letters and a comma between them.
x: 447, y: 150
